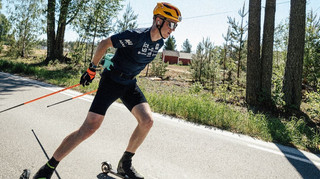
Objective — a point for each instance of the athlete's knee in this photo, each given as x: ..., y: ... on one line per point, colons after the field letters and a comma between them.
x: 146, y: 122
x: 90, y: 126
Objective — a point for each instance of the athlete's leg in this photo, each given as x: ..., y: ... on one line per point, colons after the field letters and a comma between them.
x: 142, y: 113
x: 90, y: 125
x: 107, y: 93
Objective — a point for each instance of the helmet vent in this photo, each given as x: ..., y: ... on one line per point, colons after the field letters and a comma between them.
x: 168, y: 13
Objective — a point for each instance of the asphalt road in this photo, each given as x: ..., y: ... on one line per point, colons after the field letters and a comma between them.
x: 173, y: 149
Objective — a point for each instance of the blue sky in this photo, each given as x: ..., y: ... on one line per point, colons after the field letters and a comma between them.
x: 200, y: 18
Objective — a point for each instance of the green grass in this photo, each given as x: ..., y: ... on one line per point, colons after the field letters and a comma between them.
x: 63, y: 76
x: 199, y: 108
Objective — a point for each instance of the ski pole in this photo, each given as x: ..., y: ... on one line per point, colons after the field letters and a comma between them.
x: 44, y: 151
x: 40, y: 97
x: 72, y: 98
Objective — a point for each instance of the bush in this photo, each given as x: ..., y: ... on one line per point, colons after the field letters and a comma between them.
x: 277, y: 94
x: 196, y: 88
x: 158, y: 68
x: 313, y: 99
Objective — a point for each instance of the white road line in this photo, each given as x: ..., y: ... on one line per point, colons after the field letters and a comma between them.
x: 284, y: 155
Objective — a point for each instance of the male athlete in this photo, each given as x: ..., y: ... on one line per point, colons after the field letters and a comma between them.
x: 135, y: 49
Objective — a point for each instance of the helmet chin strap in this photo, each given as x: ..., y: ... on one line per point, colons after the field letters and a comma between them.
x: 159, y: 27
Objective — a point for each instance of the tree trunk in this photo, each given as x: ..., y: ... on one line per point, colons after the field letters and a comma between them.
x: 239, y: 63
x: 294, y: 65
x: 253, y: 59
x: 240, y: 50
x: 94, y: 37
x: 51, y: 35
x: 224, y: 62
x: 267, y: 51
x: 61, y: 30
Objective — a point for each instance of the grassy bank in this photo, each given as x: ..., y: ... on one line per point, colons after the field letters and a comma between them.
x: 195, y: 107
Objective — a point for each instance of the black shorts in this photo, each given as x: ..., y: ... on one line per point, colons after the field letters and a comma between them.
x: 109, y: 91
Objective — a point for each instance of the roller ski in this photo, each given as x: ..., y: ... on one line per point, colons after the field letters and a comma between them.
x: 25, y: 174
x: 131, y: 174
x: 107, y: 168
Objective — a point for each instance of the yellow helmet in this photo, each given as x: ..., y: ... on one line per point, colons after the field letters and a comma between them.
x: 168, y: 11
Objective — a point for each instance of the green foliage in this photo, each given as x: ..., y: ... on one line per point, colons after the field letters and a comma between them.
x: 11, y: 67
x: 237, y: 37
x: 201, y: 109
x: 53, y: 63
x: 311, y: 63
x: 4, y: 30
x: 78, y: 52
x: 186, y: 46
x: 96, y: 18
x: 230, y: 93
x: 59, y: 75
x: 204, y: 64
x: 128, y: 21
x: 158, y: 68
x: 95, y: 21
x: 170, y: 43
x: 25, y: 18
x: 277, y: 92
x: 281, y: 37
x: 195, y: 88
x: 313, y: 100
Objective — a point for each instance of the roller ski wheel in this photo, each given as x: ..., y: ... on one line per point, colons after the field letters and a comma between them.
x: 106, y: 168
x: 25, y: 174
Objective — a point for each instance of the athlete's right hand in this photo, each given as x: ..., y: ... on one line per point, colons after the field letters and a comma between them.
x: 88, y: 76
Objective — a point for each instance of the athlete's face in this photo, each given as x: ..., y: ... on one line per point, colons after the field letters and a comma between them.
x: 168, y: 27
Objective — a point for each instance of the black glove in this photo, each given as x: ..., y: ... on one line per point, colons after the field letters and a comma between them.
x: 88, y: 76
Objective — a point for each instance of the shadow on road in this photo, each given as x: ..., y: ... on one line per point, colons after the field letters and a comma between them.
x: 303, y: 165
x: 10, y: 83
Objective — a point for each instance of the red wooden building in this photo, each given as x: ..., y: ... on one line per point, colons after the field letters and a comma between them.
x: 175, y: 57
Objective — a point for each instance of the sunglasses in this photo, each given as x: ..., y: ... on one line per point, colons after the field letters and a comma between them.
x: 171, y: 25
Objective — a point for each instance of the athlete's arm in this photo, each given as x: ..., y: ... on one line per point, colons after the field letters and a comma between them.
x: 101, y: 50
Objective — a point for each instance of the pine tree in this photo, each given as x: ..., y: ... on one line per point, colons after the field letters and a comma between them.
x: 267, y: 51
x: 186, y: 46
x: 204, y: 65
x: 253, y: 60
x: 311, y: 65
x: 128, y: 21
x: 170, y: 43
x: 293, y: 71
x: 226, y: 50
x: 237, y: 33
